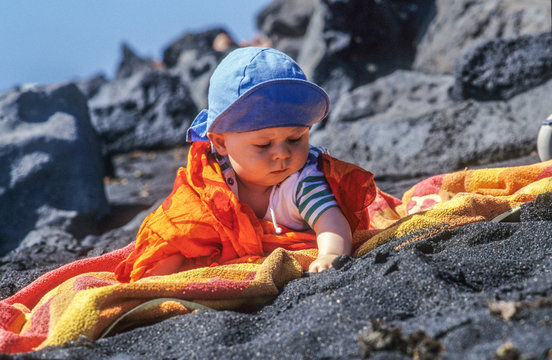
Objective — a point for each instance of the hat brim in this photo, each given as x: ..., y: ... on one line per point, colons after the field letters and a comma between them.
x: 198, y: 130
x: 274, y: 103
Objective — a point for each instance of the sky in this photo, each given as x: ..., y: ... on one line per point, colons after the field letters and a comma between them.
x: 50, y: 41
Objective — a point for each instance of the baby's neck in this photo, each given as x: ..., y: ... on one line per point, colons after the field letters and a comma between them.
x: 254, y: 195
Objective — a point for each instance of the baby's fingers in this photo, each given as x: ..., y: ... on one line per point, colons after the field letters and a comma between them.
x: 317, y: 266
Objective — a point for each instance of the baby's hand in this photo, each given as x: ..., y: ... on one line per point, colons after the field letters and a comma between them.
x: 322, y: 263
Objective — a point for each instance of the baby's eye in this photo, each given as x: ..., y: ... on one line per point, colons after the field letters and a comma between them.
x: 262, y: 146
x: 294, y: 140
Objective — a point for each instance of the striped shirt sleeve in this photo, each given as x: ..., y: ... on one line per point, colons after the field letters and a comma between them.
x: 314, y: 195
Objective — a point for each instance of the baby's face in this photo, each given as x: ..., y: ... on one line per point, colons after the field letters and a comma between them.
x: 265, y: 157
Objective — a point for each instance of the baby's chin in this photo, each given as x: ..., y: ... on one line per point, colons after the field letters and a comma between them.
x: 274, y: 179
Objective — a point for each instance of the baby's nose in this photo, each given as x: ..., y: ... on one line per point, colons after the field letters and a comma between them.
x: 281, y: 151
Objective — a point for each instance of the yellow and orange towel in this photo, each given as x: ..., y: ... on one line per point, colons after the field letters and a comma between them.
x: 450, y: 200
x: 94, y: 304
x: 86, y: 298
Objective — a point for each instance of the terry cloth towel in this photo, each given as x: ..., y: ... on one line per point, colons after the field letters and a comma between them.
x: 447, y: 201
x: 95, y: 304
x: 85, y: 299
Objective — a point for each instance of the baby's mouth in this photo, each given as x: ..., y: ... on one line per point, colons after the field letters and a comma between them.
x: 279, y: 171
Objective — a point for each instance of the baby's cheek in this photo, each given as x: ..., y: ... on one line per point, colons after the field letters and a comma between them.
x: 302, y: 157
x: 247, y: 168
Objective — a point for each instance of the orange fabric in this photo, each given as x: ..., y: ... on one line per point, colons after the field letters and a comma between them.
x: 354, y: 189
x: 204, y: 221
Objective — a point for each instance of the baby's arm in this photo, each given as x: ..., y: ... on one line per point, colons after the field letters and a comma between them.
x: 333, y: 235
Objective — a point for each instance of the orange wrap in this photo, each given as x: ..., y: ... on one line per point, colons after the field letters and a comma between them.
x: 204, y: 221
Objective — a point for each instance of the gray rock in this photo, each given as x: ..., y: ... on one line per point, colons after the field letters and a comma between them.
x: 193, y: 58
x: 461, y: 24
x: 291, y: 46
x: 150, y: 109
x: 286, y: 18
x: 48, y: 245
x: 92, y: 85
x: 131, y: 63
x: 195, y: 68
x: 405, y: 136
x: 502, y: 68
x: 313, y: 54
x: 201, y: 42
x: 285, y: 23
x: 113, y: 239
x: 50, y: 161
x: 143, y: 177
x: 354, y: 42
x: 403, y: 92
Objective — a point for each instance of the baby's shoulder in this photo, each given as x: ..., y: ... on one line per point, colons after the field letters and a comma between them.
x: 308, y: 172
x: 314, y: 153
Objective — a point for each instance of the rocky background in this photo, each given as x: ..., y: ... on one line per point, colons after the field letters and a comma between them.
x: 417, y: 88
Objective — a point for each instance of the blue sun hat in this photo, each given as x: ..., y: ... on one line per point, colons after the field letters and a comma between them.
x: 257, y: 88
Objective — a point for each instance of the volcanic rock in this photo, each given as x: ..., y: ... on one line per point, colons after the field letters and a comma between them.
x: 349, y: 43
x: 285, y: 22
x: 131, y: 63
x: 52, y: 169
x: 462, y: 24
x: 90, y: 87
x: 201, y: 42
x: 150, y: 109
x: 502, y: 68
x: 404, y: 135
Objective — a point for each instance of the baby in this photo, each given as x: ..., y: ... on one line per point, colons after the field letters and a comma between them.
x: 261, y: 108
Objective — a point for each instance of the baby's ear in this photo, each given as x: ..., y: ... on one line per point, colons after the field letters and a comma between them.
x: 218, y: 142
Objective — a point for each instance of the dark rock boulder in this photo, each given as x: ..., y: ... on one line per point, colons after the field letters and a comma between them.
x: 195, y: 69
x: 90, y: 87
x: 285, y: 18
x: 143, y: 177
x: 350, y: 43
x: 412, y: 128
x: 285, y: 23
x: 462, y: 24
x: 201, y: 42
x: 403, y: 92
x: 140, y: 179
x: 131, y: 63
x: 193, y: 59
x: 149, y: 109
x: 51, y: 166
x: 502, y: 68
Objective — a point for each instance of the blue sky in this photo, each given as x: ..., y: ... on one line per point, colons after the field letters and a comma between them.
x: 49, y: 41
